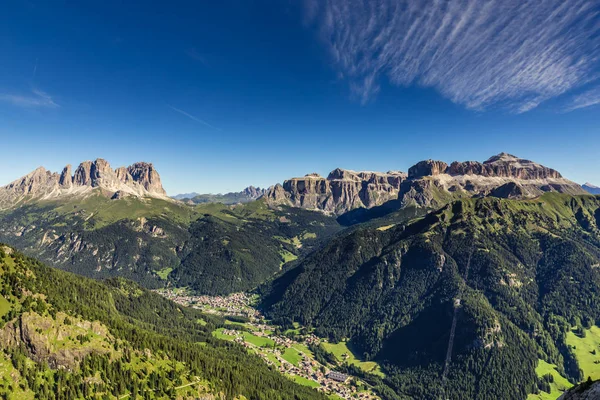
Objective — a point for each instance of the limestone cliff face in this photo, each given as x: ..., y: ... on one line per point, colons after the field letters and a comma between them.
x: 43, y: 338
x: 433, y: 183
x: 426, y: 168
x: 140, y: 179
x: 341, y: 191
x: 429, y: 183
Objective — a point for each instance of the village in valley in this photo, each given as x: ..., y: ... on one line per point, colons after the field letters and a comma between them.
x: 289, y: 351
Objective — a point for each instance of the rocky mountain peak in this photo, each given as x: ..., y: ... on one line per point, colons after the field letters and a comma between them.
x: 66, y: 177
x: 139, y: 179
x: 146, y: 175
x: 32, y: 183
x: 592, y: 189
x: 502, y: 157
x: 254, y: 192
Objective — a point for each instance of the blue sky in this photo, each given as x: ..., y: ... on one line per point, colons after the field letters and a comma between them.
x: 223, y: 94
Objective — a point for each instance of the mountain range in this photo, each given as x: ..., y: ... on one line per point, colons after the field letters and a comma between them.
x: 103, y: 223
x: 247, y: 195
x: 139, y: 179
x: 427, y: 184
x: 462, y: 280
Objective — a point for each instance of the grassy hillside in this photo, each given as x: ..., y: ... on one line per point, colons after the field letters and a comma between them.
x: 211, y: 248
x: 69, y: 337
x: 512, y: 277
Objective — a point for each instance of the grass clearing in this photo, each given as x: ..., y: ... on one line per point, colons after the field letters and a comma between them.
x: 304, y: 381
x: 557, y: 387
x: 292, y: 356
x: 9, y: 376
x: 273, y: 359
x: 4, y: 306
x: 164, y: 273
x: 258, y: 340
x: 220, y: 335
x: 304, y: 349
x: 287, y: 256
x: 584, y: 349
x: 343, y: 354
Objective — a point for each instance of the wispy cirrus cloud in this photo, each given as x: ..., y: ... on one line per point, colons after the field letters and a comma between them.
x: 588, y: 98
x: 478, y: 53
x: 192, y: 117
x: 36, y: 98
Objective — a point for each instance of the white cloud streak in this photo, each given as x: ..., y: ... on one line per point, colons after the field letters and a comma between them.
x: 478, y: 53
x: 192, y: 117
x: 586, y: 99
x: 37, y: 98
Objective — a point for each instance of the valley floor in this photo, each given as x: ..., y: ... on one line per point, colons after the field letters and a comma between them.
x: 288, y: 351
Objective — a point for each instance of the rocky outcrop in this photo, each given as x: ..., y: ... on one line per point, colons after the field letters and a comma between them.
x: 427, y: 168
x: 341, y: 191
x: 510, y: 190
x: 139, y: 179
x: 44, y: 338
x: 34, y: 183
x: 585, y: 391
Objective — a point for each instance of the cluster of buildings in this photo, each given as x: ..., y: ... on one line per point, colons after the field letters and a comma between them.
x: 329, y: 381
x: 238, y: 304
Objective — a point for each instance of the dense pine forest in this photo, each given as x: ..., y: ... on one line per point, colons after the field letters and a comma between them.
x: 69, y: 337
x: 461, y: 303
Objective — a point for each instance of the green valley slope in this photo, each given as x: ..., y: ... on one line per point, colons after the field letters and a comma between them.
x: 68, y: 337
x: 512, y: 276
x: 211, y: 248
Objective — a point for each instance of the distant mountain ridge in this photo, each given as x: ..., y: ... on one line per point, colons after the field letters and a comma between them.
x: 182, y: 196
x: 139, y: 179
x: 249, y: 194
x: 429, y: 183
x: 591, y: 188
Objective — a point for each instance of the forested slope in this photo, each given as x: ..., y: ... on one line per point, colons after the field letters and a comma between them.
x: 211, y: 248
x: 69, y: 337
x: 512, y: 277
